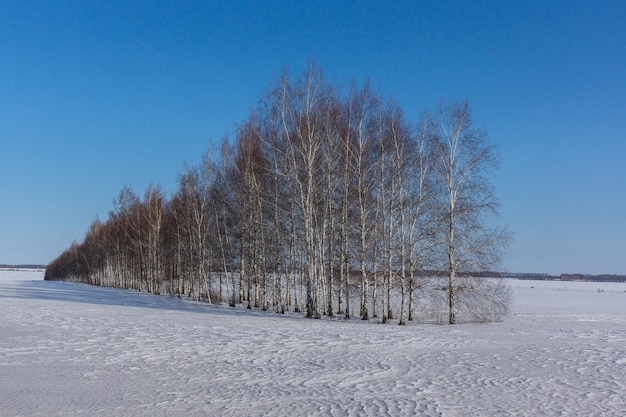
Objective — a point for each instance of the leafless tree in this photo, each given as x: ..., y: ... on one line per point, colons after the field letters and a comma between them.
x: 364, y: 163
x: 324, y: 198
x: 300, y: 104
x: 467, y: 200
x: 191, y: 210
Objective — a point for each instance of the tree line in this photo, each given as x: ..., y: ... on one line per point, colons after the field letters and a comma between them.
x: 326, y: 201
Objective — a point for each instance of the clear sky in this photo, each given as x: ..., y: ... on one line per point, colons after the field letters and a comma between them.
x: 97, y: 95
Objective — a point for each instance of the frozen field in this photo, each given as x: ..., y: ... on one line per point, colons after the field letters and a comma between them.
x: 73, y: 350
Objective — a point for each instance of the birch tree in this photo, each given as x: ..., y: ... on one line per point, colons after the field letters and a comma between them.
x: 323, y: 195
x: 302, y: 123
x: 364, y: 171
x: 467, y: 203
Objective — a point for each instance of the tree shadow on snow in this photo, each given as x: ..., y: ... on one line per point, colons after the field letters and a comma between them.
x: 87, y: 294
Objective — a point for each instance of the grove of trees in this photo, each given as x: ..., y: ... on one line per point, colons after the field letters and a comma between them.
x: 326, y: 202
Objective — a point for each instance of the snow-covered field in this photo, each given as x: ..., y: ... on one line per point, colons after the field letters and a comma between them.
x: 73, y: 350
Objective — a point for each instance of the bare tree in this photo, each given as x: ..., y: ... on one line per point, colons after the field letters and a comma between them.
x: 224, y: 199
x: 323, y: 196
x: 400, y: 172
x: 122, y: 217
x: 467, y: 201
x: 153, y: 216
x: 253, y: 168
x: 332, y: 198
x: 347, y: 193
x: 301, y: 116
x: 364, y: 171
x: 193, y: 219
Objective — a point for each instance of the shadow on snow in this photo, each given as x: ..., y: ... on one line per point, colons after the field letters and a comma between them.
x: 87, y: 294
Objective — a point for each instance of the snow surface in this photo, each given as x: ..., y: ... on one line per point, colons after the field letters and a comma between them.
x: 74, y: 350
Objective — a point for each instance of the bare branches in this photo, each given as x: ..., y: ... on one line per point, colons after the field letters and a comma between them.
x: 464, y: 160
x: 324, y: 202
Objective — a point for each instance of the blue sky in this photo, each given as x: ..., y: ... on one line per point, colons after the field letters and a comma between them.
x: 98, y: 95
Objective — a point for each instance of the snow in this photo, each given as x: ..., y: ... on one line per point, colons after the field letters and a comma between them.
x: 73, y: 350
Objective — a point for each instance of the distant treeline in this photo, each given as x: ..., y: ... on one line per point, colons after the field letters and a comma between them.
x: 321, y: 200
x: 529, y: 276
x: 24, y: 266
x: 562, y: 277
x: 593, y: 278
